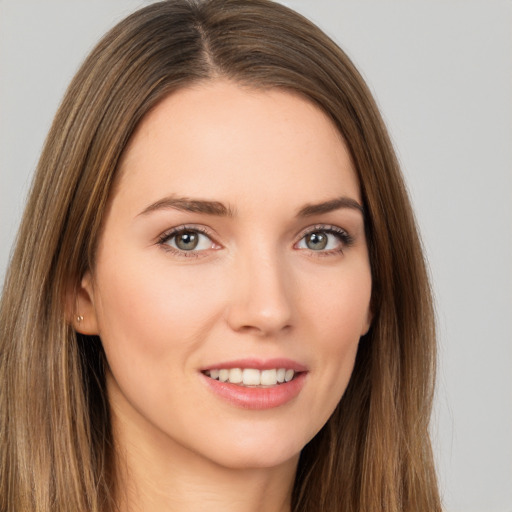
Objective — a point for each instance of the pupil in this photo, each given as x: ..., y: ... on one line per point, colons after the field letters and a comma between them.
x: 187, y: 240
x: 316, y: 241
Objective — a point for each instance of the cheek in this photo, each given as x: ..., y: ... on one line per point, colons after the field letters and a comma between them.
x: 156, y: 311
x: 339, y: 316
x: 340, y: 304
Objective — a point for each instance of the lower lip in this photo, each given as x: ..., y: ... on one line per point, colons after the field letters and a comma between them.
x: 255, y: 397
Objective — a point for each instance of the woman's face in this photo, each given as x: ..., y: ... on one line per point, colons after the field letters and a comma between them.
x: 233, y: 248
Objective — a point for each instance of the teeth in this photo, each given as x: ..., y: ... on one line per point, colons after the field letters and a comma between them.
x: 235, y: 376
x: 269, y: 377
x: 252, y: 376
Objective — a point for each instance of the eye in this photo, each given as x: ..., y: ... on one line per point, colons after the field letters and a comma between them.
x: 317, y: 241
x: 186, y: 240
x: 325, y: 239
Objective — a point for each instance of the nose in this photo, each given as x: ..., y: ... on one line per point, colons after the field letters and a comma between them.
x: 261, y: 299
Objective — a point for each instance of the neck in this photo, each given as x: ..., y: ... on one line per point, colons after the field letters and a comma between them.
x: 157, y: 474
x: 191, y: 491
x: 191, y: 484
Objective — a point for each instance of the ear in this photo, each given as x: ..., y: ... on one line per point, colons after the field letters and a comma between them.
x: 81, y: 307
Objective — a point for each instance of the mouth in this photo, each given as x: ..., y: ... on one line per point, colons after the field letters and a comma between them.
x: 252, y: 377
x: 256, y: 384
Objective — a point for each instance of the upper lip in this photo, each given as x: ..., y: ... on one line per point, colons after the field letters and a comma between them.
x: 258, y: 364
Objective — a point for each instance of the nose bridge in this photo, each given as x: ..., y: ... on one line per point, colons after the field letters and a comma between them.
x: 261, y: 293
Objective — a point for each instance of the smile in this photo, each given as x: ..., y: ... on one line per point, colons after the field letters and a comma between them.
x: 256, y: 384
x: 251, y: 377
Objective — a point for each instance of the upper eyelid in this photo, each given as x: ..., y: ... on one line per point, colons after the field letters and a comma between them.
x: 322, y: 227
x: 169, y: 233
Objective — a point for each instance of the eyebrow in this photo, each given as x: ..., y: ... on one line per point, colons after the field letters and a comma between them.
x: 330, y: 206
x: 190, y: 205
x: 219, y: 209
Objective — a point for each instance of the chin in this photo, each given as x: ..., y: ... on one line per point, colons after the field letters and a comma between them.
x: 257, y: 459
x: 257, y: 451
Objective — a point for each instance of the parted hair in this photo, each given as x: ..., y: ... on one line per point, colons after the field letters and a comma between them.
x: 56, y: 446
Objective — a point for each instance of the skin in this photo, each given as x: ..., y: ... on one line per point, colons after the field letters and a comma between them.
x: 252, y: 288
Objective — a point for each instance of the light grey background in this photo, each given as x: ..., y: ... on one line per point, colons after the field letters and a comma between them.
x: 442, y: 74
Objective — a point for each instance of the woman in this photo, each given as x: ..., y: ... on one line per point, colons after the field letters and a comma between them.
x: 218, y: 296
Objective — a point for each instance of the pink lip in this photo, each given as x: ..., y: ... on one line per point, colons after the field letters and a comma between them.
x: 257, y: 398
x: 258, y: 364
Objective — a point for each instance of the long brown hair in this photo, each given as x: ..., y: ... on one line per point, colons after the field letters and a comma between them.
x: 56, y: 450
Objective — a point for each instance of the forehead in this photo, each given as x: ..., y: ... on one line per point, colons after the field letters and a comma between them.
x: 221, y: 138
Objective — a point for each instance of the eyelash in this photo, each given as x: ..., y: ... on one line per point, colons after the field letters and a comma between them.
x: 164, y: 238
x: 346, y: 240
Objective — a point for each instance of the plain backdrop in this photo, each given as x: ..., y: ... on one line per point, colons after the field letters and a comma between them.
x: 442, y: 74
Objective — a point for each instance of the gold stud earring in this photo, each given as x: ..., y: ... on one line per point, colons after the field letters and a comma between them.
x: 79, y: 318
